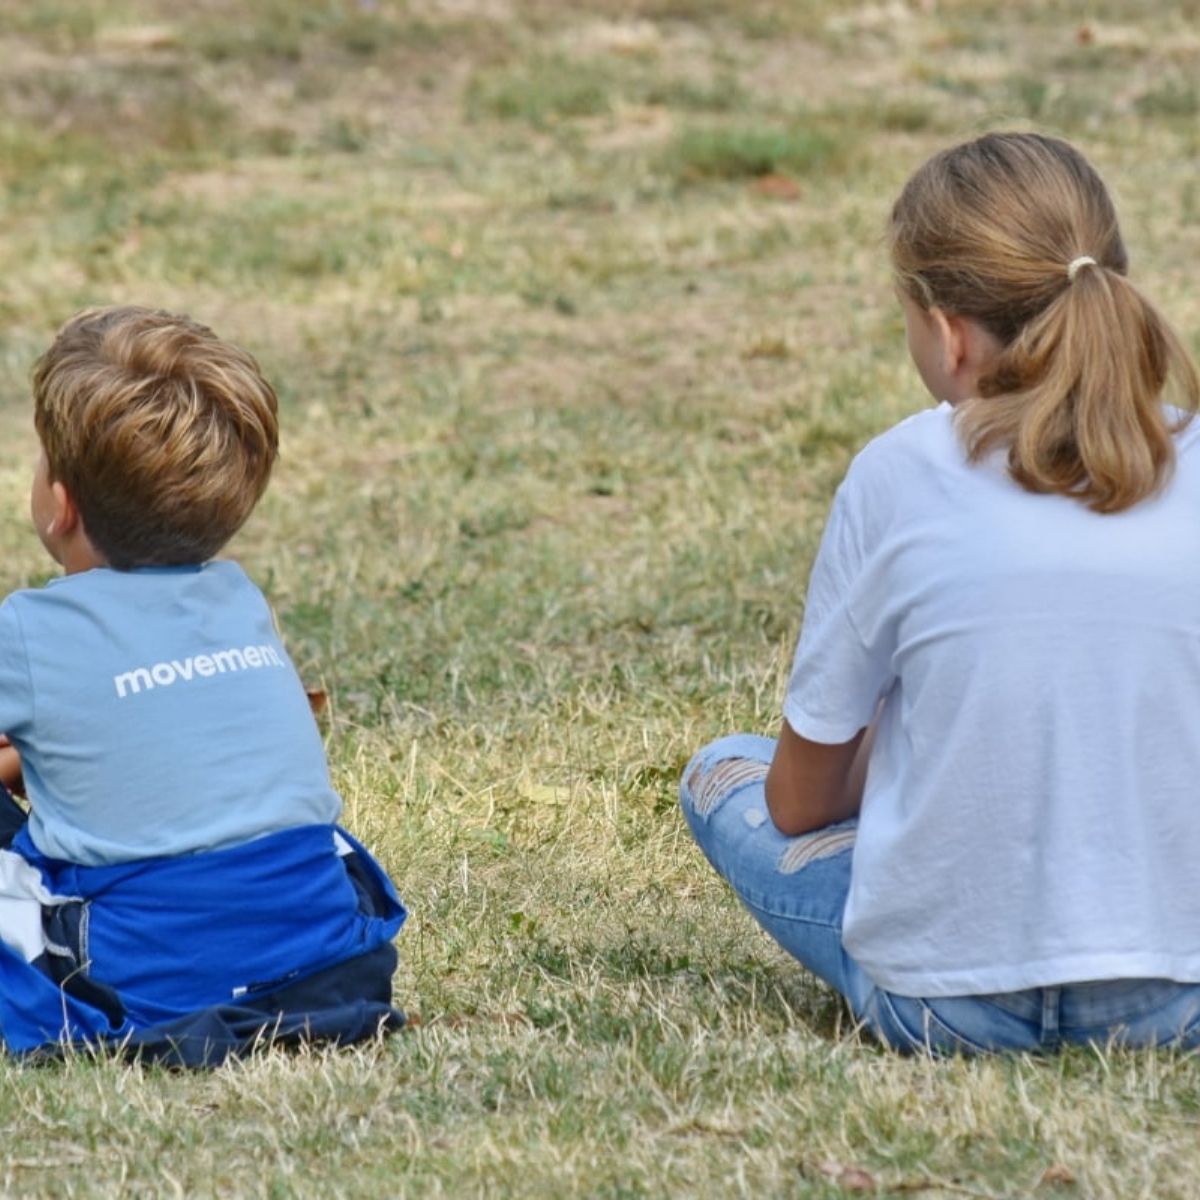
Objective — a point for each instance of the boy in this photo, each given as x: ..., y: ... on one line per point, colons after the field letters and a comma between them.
x: 180, y: 885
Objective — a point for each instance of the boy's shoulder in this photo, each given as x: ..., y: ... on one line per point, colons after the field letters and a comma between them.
x: 219, y: 580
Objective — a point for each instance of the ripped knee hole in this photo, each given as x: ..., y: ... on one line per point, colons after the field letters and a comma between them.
x: 709, y: 786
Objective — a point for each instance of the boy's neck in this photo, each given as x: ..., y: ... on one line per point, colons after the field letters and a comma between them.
x: 84, y: 560
x: 75, y: 552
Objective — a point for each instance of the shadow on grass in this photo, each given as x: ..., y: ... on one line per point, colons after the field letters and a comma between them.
x: 630, y: 988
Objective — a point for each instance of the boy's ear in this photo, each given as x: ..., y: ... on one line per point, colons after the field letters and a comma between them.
x: 64, y: 511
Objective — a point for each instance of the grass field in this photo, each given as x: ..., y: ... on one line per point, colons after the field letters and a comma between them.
x: 577, y: 313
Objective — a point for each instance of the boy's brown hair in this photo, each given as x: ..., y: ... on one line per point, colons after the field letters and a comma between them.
x: 1017, y: 232
x: 163, y: 434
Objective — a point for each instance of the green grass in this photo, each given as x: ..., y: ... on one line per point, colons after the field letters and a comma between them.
x: 567, y: 389
x: 738, y: 154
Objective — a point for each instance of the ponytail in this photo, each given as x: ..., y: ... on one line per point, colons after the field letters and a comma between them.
x: 992, y: 231
x: 1077, y: 396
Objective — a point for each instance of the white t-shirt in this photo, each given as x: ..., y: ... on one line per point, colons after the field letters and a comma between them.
x: 1032, y: 808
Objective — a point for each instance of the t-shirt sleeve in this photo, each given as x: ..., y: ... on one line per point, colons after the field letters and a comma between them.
x: 837, y: 678
x: 15, y: 706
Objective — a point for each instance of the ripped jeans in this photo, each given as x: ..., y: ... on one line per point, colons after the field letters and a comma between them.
x: 796, y: 889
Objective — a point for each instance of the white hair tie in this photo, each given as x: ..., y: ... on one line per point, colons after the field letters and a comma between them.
x: 1076, y: 264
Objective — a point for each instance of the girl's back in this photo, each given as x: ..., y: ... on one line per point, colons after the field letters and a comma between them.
x: 1038, y: 751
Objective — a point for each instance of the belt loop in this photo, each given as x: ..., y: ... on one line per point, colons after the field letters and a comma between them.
x: 1051, y: 1004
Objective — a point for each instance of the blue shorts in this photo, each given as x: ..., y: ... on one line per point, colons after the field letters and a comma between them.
x: 796, y: 889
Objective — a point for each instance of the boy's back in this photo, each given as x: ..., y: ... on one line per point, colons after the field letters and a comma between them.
x: 156, y: 713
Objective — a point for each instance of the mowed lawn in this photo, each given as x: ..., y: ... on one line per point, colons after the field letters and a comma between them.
x: 577, y: 313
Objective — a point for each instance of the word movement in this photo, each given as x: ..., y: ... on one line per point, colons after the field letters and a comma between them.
x: 163, y: 674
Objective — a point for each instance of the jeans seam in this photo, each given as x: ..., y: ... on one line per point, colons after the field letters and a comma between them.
x: 757, y: 903
x: 931, y: 1019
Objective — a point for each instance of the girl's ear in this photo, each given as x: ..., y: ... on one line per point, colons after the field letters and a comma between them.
x: 966, y: 348
x: 951, y: 338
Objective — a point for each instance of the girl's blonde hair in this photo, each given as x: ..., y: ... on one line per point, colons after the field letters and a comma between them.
x: 988, y: 230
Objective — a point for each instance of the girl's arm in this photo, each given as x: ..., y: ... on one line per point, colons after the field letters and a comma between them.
x: 812, y: 784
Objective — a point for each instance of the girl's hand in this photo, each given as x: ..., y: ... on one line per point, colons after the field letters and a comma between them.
x: 10, y: 767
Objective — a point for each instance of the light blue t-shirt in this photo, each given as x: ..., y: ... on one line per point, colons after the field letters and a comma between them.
x: 156, y: 713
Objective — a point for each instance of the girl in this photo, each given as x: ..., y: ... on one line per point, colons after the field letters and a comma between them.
x: 981, y: 820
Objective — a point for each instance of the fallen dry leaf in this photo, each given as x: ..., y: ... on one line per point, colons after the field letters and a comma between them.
x: 847, y: 1176
x: 777, y: 187
x: 1057, y: 1176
